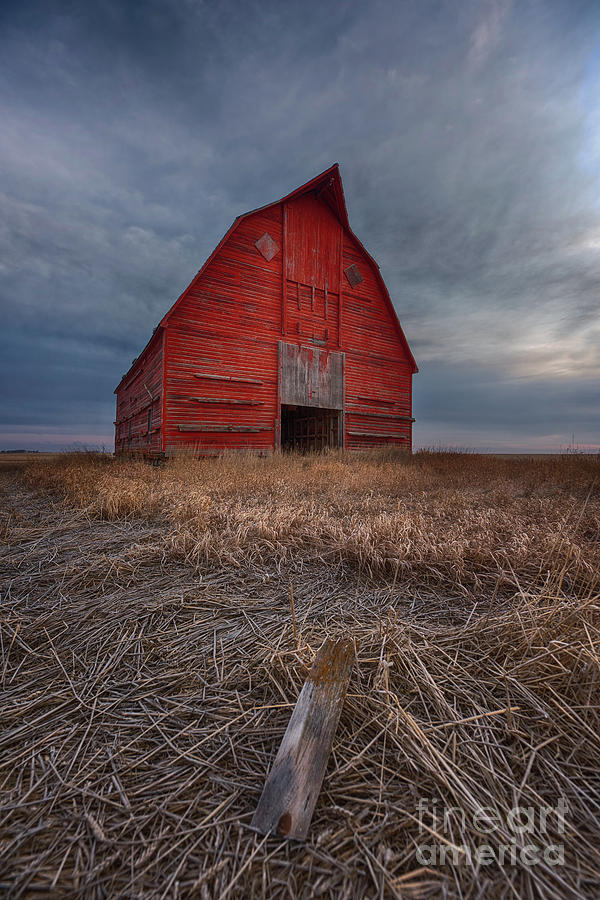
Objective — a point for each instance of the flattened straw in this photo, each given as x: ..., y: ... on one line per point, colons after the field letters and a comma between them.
x: 293, y: 612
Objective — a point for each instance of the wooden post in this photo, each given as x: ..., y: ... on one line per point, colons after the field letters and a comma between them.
x: 292, y: 787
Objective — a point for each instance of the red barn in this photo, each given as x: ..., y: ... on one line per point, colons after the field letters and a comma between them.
x: 286, y: 338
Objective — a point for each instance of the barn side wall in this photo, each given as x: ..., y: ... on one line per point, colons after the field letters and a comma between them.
x: 222, y: 339
x: 139, y: 403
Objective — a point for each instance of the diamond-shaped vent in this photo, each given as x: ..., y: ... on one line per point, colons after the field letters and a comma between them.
x: 267, y: 246
x: 353, y: 275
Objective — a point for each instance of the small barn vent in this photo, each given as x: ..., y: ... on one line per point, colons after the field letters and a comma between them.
x: 267, y: 246
x: 353, y: 275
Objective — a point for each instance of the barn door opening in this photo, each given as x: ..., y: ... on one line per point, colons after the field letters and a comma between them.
x: 311, y: 392
x: 308, y: 429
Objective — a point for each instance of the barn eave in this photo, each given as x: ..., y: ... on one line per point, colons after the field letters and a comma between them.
x: 156, y: 334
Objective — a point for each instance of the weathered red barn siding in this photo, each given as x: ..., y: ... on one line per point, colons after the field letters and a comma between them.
x: 378, y: 371
x: 212, y: 373
x: 221, y: 364
x: 139, y: 402
x: 312, y: 261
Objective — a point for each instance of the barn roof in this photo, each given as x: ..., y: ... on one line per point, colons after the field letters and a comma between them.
x: 329, y: 187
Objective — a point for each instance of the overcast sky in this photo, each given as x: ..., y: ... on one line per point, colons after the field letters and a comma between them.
x: 468, y: 136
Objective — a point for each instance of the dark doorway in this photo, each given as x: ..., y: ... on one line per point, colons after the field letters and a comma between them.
x: 309, y: 428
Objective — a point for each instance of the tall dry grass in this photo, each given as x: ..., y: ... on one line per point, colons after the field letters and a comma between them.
x: 468, y: 521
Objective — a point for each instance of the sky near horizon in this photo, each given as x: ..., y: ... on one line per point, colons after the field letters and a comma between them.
x: 468, y: 138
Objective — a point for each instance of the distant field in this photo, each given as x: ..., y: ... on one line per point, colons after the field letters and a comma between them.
x: 18, y: 460
x: 149, y: 661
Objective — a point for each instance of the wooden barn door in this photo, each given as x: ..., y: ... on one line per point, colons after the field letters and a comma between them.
x: 311, y: 398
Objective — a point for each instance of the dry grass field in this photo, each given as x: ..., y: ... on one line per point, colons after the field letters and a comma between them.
x: 150, y: 661
x: 10, y: 461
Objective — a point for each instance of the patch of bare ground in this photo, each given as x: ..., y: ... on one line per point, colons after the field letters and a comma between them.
x: 149, y: 666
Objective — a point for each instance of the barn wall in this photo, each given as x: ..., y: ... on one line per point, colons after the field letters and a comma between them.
x: 134, y: 403
x: 313, y: 236
x: 221, y: 363
x: 378, y: 373
x: 312, y: 253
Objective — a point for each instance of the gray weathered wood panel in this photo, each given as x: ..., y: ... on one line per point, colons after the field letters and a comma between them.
x: 311, y: 377
x: 292, y: 787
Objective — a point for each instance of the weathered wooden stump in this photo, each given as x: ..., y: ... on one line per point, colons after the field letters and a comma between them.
x: 292, y: 787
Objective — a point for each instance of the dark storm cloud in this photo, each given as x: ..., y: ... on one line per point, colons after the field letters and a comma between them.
x: 133, y: 134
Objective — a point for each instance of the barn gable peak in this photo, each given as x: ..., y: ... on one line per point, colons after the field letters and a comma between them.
x: 328, y: 187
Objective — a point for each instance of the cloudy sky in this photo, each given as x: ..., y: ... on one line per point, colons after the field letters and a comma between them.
x: 468, y: 136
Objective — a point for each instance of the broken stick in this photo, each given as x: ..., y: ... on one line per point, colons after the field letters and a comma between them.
x: 290, y: 793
